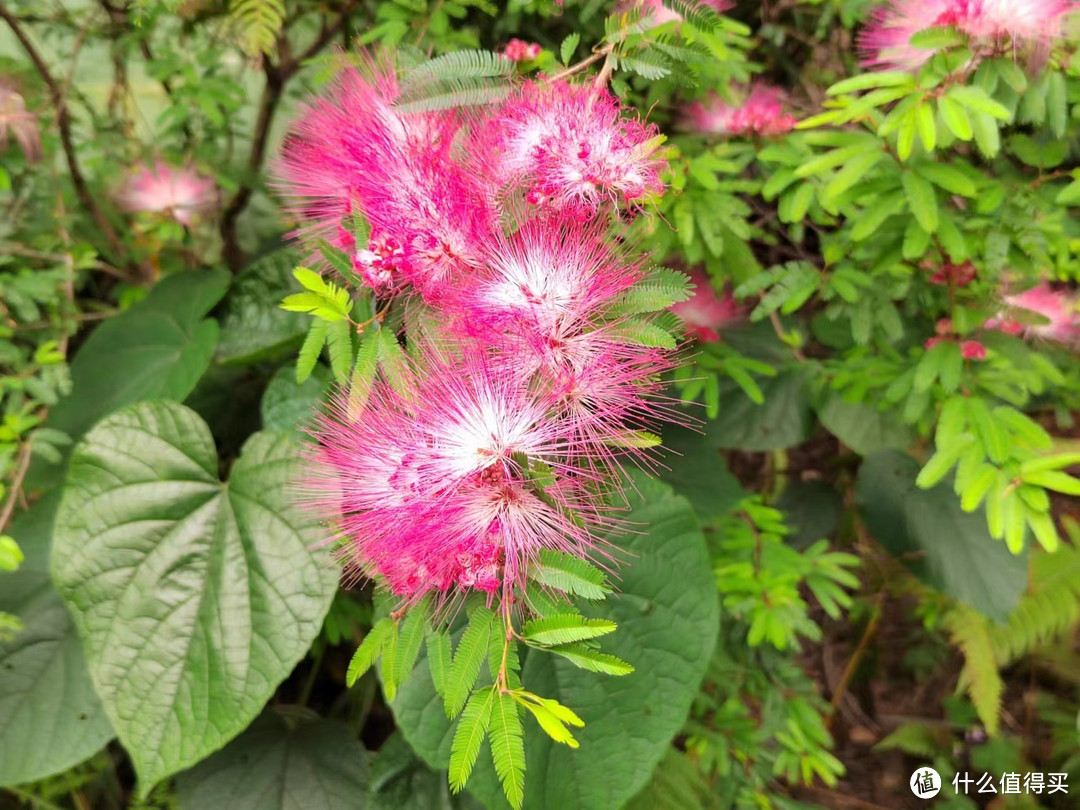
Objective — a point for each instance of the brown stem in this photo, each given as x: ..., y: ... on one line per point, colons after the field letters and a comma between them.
x: 584, y: 63
x: 22, y: 464
x: 276, y: 78
x: 604, y: 76
x: 63, y: 123
x: 856, y: 657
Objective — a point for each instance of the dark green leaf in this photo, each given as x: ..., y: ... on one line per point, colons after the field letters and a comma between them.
x: 283, y: 761
x: 784, y: 420
x: 697, y: 470
x: 50, y: 718
x: 158, y: 349
x: 287, y: 405
x: 401, y: 781
x: 944, y: 546
x: 253, y: 328
x: 864, y: 428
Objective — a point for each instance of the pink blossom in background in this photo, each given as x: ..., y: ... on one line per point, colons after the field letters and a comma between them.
x: 761, y: 112
x: 517, y: 50
x: 706, y: 314
x: 972, y: 350
x: 569, y: 148
x: 18, y: 122
x: 180, y: 193
x: 1056, y: 306
x: 711, y: 116
x: 885, y: 42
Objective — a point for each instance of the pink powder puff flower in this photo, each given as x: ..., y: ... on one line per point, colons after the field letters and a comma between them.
x: 548, y: 280
x: 354, y: 150
x: 429, y: 490
x: 176, y: 192
x: 17, y: 121
x: 1056, y: 306
x: 711, y: 116
x: 761, y: 113
x: 542, y: 302
x: 569, y: 148
x: 886, y: 41
x: 518, y: 50
x: 705, y: 313
x: 972, y: 350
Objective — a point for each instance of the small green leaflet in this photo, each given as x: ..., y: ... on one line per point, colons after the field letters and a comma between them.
x: 508, y: 748
x: 569, y: 574
x: 310, y: 351
x: 634, y: 439
x: 410, y: 637
x: 340, y: 345
x: 469, y: 736
x: 587, y: 658
x: 569, y: 45
x: 552, y: 716
x: 564, y: 628
x: 369, y: 650
x: 322, y: 299
x: 439, y: 656
x: 465, y: 667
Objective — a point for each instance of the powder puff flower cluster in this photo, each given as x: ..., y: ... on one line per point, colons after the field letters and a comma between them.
x: 760, y: 113
x: 506, y: 430
x: 179, y: 193
x: 1016, y: 24
x: 568, y: 148
x: 434, y: 185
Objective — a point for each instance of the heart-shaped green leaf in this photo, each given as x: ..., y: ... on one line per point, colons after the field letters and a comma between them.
x: 194, y: 598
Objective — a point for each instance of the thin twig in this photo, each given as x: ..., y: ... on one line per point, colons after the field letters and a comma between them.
x: 778, y: 327
x: 22, y: 464
x: 276, y: 78
x: 592, y: 58
x: 856, y: 657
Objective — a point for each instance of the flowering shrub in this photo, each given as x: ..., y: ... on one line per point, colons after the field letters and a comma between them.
x: 429, y: 404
